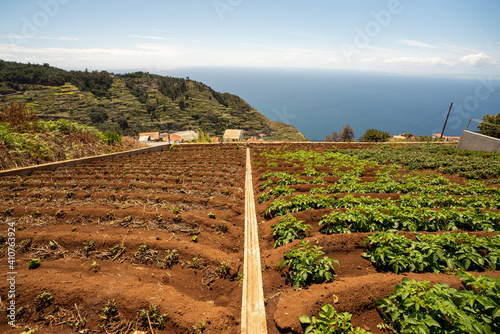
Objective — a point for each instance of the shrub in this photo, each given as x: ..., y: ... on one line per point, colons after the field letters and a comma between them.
x: 112, y: 137
x: 491, y: 126
x: 374, y: 135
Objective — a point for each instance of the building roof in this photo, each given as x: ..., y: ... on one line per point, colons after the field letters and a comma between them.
x: 187, y: 135
x: 438, y: 135
x: 152, y: 135
x: 233, y: 134
x: 173, y: 137
x: 253, y: 139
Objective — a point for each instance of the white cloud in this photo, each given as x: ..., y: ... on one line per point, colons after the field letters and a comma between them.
x: 58, y: 38
x: 415, y: 43
x: 429, y: 61
x: 142, y: 55
x: 479, y: 59
x: 153, y: 37
x: 161, y: 30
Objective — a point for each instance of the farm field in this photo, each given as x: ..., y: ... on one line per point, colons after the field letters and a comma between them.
x: 155, y: 242
x: 147, y: 242
x: 317, y: 200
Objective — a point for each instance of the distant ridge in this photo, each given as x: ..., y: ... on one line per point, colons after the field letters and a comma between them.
x: 134, y: 102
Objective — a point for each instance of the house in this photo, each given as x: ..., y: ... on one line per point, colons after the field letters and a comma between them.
x: 447, y: 138
x: 186, y: 136
x: 173, y: 138
x: 152, y: 136
x: 399, y: 138
x: 214, y: 139
x: 232, y: 135
x: 254, y: 139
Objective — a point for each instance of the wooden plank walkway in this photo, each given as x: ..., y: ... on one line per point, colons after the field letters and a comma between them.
x: 253, y: 313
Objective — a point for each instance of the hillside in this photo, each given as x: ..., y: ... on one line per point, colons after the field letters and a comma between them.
x: 25, y: 140
x: 134, y: 102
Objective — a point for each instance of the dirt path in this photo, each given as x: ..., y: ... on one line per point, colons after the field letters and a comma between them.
x: 253, y: 315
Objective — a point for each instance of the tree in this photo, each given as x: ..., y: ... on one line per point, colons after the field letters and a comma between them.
x: 98, y: 115
x: 347, y: 134
x: 490, y: 126
x: 407, y: 135
x: 182, y: 105
x: 334, y: 137
x: 374, y: 135
x: 122, y: 122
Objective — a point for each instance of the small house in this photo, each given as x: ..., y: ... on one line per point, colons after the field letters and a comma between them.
x: 232, y: 135
x: 186, y: 136
x: 447, y: 138
x: 254, y: 139
x: 152, y: 136
x: 399, y: 138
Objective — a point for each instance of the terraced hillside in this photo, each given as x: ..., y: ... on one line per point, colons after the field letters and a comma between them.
x: 134, y: 102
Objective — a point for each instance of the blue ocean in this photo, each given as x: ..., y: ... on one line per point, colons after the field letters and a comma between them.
x: 319, y: 102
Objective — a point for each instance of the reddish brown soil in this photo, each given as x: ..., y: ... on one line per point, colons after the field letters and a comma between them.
x: 358, y: 283
x: 129, y: 201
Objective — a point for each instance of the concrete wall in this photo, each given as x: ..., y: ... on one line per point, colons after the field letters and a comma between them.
x: 72, y: 163
x: 472, y: 141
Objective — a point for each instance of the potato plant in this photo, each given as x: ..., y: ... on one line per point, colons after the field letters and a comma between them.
x: 330, y: 321
x: 418, y: 307
x: 289, y: 229
x: 307, y: 265
x: 432, y: 253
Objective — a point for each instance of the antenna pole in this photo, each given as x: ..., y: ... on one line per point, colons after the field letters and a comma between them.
x: 451, y: 105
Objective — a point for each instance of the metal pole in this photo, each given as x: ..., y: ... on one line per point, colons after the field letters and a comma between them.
x: 468, y: 125
x: 451, y: 105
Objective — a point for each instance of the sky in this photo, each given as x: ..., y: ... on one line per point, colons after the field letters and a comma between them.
x: 438, y: 37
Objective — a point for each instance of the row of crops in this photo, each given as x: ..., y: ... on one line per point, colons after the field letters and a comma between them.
x: 415, y: 220
x: 146, y: 243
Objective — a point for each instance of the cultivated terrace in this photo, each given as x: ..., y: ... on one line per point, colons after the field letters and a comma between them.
x: 353, y: 239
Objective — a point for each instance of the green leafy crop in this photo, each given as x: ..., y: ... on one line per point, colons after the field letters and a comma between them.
x: 307, y: 266
x: 437, y: 253
x: 418, y: 307
x: 330, y: 322
x: 289, y: 229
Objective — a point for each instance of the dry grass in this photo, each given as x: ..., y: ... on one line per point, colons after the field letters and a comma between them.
x: 25, y: 140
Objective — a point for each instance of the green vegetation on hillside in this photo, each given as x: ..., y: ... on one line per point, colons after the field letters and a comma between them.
x: 134, y: 102
x: 490, y: 126
x: 26, y: 140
